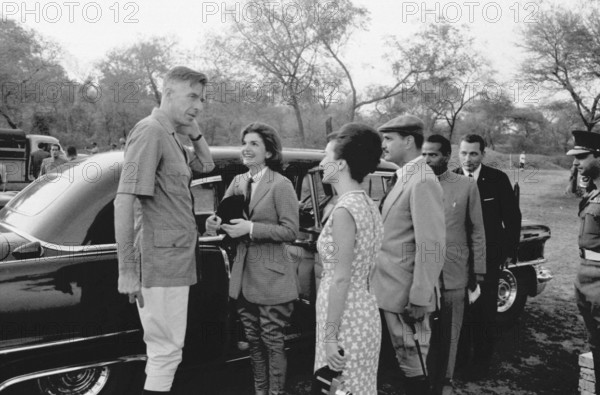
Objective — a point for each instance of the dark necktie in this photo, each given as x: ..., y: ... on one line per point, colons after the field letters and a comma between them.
x: 471, y: 175
x: 248, y: 197
x: 390, y: 185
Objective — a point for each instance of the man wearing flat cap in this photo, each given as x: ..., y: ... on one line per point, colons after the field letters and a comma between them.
x: 408, y: 266
x: 587, y: 282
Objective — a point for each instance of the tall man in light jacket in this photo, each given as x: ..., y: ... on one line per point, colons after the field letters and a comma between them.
x: 464, y: 261
x: 154, y: 221
x: 410, y: 261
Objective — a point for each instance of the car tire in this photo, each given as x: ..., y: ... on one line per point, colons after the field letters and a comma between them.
x: 104, y: 380
x: 512, y: 295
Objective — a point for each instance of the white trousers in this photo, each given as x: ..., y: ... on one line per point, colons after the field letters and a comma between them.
x: 164, y: 319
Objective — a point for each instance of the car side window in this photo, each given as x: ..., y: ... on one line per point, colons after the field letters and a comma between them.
x: 323, y: 193
x: 204, y: 198
x: 376, y: 185
x: 102, y: 230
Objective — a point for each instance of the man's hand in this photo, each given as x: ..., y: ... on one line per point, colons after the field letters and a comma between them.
x: 137, y: 295
x: 413, y: 313
x: 192, y: 130
x: 240, y: 227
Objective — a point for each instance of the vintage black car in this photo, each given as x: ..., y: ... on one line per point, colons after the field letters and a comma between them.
x: 64, y: 329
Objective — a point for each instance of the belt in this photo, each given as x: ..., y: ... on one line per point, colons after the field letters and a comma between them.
x: 589, y: 254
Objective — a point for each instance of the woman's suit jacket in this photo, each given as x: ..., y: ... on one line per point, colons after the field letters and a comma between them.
x: 264, y: 270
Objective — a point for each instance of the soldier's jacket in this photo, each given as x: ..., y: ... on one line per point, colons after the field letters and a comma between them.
x: 588, y: 276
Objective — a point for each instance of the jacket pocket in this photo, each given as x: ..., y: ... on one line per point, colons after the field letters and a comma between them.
x: 179, y: 175
x: 277, y: 267
x: 591, y: 224
x: 173, y: 238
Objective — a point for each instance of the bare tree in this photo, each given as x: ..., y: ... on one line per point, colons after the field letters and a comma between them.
x: 564, y: 55
x: 280, y: 45
x: 138, y: 68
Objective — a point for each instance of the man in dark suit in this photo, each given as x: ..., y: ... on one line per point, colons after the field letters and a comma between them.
x: 502, y: 223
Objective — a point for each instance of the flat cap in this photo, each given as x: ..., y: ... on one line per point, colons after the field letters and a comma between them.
x: 409, y: 124
x: 585, y: 142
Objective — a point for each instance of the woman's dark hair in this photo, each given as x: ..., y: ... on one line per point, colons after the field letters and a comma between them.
x: 360, y: 146
x: 272, y: 143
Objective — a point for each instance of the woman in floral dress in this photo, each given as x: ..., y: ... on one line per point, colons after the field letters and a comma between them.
x: 347, y: 313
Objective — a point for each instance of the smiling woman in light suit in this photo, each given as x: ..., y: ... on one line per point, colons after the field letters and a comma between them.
x: 263, y: 278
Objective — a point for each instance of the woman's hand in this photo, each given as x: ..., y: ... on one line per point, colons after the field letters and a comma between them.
x: 238, y: 228
x: 335, y: 360
x: 212, y: 224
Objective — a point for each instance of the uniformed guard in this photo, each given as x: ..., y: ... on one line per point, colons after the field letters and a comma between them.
x: 587, y: 283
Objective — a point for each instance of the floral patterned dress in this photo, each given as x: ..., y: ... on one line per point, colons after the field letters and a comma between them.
x: 360, y: 330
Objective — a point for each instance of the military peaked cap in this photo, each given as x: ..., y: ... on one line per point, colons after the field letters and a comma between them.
x: 585, y: 142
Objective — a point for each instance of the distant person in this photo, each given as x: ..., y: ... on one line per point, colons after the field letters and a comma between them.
x: 53, y: 163
x: 464, y: 260
x: 122, y: 144
x: 587, y: 282
x: 522, y: 161
x: 409, y: 263
x: 93, y: 150
x: 113, y: 147
x: 502, y: 222
x: 71, y: 153
x: 37, y: 157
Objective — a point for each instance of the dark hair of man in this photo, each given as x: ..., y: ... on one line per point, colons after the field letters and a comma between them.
x: 474, y: 138
x: 360, y: 146
x: 445, y: 147
x: 182, y: 73
x: 71, y: 151
x: 272, y: 143
x: 41, y: 145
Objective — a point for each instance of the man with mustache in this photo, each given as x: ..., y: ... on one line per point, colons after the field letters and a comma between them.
x: 154, y: 221
x: 408, y: 266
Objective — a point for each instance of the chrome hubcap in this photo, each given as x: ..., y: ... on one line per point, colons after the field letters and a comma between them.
x: 81, y: 382
x: 507, y: 291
